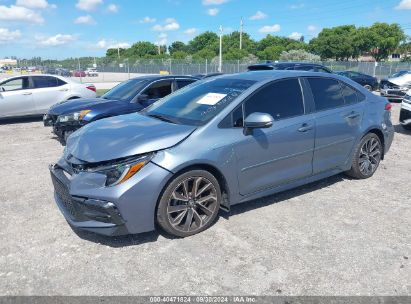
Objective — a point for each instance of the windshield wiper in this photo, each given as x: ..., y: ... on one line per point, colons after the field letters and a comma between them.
x: 161, y: 117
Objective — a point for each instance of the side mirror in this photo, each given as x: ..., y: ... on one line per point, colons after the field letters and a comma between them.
x: 257, y: 121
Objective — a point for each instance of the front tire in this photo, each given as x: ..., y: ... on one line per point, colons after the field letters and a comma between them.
x: 367, y: 157
x: 189, y: 204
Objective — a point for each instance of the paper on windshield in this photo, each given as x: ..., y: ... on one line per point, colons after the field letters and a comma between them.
x: 211, y: 98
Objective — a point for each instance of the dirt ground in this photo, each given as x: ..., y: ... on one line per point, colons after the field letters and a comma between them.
x: 335, y: 237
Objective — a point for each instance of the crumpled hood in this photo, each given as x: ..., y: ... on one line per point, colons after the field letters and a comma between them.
x: 76, y: 105
x: 402, y: 81
x: 123, y: 136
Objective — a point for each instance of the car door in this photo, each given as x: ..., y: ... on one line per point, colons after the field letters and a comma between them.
x: 282, y: 153
x: 337, y: 123
x: 156, y: 90
x: 47, y: 91
x: 16, y: 97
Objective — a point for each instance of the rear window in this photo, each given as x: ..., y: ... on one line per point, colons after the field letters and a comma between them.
x: 326, y: 93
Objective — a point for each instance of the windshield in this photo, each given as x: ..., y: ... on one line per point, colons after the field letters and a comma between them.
x: 200, y: 102
x: 126, y: 90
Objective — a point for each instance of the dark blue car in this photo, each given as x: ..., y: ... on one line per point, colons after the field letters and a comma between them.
x: 129, y: 96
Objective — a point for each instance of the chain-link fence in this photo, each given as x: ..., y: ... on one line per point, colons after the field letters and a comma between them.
x: 108, y: 70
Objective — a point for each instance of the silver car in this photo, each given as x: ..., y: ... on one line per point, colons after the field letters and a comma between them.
x: 34, y: 94
x: 216, y: 143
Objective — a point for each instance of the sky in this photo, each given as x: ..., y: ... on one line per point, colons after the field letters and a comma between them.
x: 57, y: 29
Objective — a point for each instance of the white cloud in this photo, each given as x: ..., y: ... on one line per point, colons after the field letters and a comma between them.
x: 190, y: 31
x: 295, y: 35
x: 88, y: 5
x: 104, y: 44
x: 213, y: 11
x: 258, y: 16
x: 297, y: 6
x: 270, y: 28
x: 6, y: 35
x: 404, y: 5
x: 214, y: 2
x: 59, y: 39
x: 312, y: 28
x: 87, y: 19
x: 38, y: 4
x: 19, y: 13
x: 147, y: 19
x: 162, y: 39
x: 170, y: 25
x: 112, y: 8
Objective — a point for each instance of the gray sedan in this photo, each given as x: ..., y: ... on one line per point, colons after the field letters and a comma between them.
x: 218, y: 142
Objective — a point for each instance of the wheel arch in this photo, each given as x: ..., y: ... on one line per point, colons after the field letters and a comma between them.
x: 222, y: 181
x: 380, y: 135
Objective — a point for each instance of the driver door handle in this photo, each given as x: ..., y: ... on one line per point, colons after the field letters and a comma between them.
x: 305, y: 127
x: 63, y: 90
x: 27, y: 93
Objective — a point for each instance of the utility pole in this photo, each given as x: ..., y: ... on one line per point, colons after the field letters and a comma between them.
x: 220, y: 61
x: 241, y: 33
x: 118, y: 51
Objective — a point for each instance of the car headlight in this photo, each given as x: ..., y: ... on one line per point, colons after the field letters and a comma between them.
x: 119, y: 172
x: 73, y: 116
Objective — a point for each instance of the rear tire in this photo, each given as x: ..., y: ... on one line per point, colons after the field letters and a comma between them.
x: 367, y: 157
x: 189, y: 204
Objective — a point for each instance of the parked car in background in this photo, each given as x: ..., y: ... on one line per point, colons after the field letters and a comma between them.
x: 405, y: 114
x: 396, y: 87
x: 367, y: 81
x: 91, y: 72
x: 63, y: 72
x: 35, y: 94
x: 129, y: 96
x: 178, y: 162
x: 202, y: 76
x: 79, y: 73
x: 299, y: 66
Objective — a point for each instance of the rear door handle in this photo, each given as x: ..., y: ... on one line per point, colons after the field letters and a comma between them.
x: 352, y: 115
x: 305, y: 127
x: 27, y: 93
x: 63, y: 90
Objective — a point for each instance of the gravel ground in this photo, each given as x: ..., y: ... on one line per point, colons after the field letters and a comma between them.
x: 334, y: 237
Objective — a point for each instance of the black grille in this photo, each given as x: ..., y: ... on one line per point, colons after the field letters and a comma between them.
x: 64, y: 195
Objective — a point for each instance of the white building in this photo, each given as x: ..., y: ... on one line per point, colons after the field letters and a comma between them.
x: 8, y: 62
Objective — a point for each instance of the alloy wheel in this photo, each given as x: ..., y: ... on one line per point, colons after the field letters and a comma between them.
x: 370, y: 156
x: 192, y: 204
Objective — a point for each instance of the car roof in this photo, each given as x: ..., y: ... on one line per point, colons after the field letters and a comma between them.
x: 265, y: 75
x: 287, y: 64
x: 160, y: 77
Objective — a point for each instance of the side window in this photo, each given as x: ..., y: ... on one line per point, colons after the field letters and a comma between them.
x: 350, y: 95
x: 16, y: 84
x: 281, y: 99
x: 60, y: 82
x: 326, y: 92
x: 317, y: 69
x: 181, y: 83
x: 44, y: 82
x: 158, y: 89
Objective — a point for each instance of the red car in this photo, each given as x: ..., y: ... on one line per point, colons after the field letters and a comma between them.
x: 79, y: 73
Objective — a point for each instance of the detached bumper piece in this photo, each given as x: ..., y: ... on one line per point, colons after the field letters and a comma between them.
x: 88, y: 214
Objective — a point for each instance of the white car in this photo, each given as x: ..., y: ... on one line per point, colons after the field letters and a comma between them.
x: 35, y: 94
x: 91, y: 72
x: 405, y: 114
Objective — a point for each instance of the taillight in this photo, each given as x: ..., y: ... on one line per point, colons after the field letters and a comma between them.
x: 91, y: 88
x: 388, y: 107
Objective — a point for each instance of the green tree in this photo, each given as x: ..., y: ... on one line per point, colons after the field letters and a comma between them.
x: 336, y: 42
x: 271, y: 52
x: 386, y: 38
x: 299, y: 55
x: 203, y: 41
x: 142, y: 49
x: 177, y: 46
x: 179, y: 55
